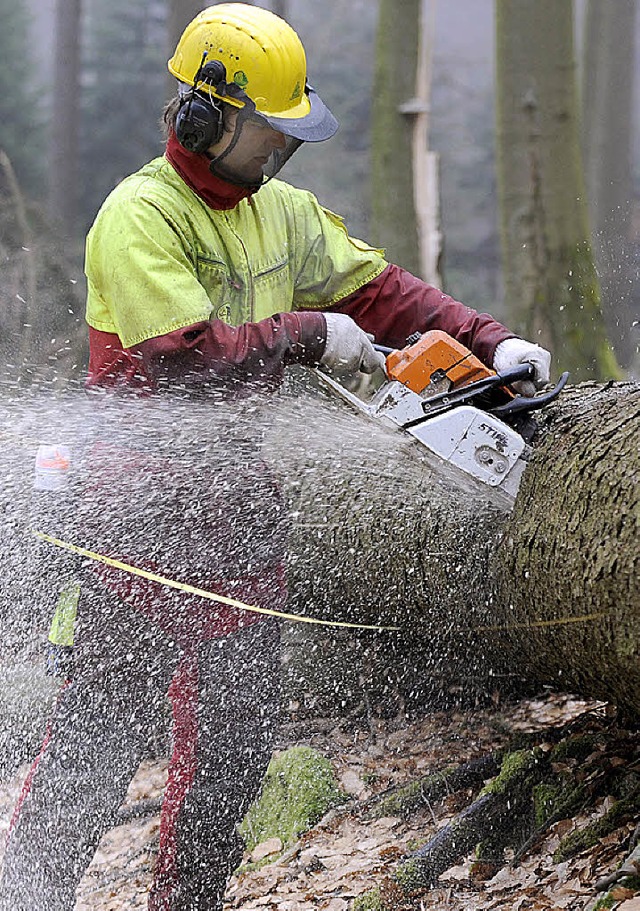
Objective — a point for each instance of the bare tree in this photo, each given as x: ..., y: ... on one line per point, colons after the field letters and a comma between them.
x: 280, y: 8
x: 607, y: 120
x: 405, y: 198
x: 393, y: 215
x: 181, y: 12
x: 551, y: 284
x: 63, y: 182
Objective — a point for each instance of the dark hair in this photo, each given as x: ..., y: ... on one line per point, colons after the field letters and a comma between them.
x: 169, y: 114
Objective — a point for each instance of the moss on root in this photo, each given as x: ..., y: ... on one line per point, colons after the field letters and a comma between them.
x: 590, y: 835
x: 518, y: 764
x: 545, y: 800
x: 578, y: 747
x: 414, y: 794
x: 299, y: 788
x: 370, y: 901
x: 409, y: 876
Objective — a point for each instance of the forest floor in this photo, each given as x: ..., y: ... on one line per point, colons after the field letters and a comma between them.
x: 347, y: 853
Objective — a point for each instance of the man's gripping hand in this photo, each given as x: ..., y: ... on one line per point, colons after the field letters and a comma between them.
x: 348, y: 348
x: 514, y: 351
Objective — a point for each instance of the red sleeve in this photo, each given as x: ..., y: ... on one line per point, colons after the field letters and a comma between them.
x: 396, y: 304
x: 209, y: 350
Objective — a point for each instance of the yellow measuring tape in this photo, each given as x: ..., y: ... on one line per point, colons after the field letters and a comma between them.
x: 533, y: 624
x: 297, y: 618
x: 203, y: 593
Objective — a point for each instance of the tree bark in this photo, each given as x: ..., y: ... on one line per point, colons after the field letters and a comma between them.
x: 180, y: 14
x: 63, y: 195
x: 484, y: 597
x: 393, y: 217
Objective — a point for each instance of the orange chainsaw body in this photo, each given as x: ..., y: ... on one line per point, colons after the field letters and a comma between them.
x: 435, y: 357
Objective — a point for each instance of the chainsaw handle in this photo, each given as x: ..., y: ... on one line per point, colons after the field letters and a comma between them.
x: 524, y: 403
x: 516, y: 374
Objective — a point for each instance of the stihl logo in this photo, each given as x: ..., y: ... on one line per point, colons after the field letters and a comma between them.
x: 498, y: 437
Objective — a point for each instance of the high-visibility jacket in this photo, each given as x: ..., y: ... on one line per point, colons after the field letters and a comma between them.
x: 188, y: 277
x: 158, y: 258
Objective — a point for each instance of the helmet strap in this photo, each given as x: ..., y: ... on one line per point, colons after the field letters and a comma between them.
x: 244, y: 113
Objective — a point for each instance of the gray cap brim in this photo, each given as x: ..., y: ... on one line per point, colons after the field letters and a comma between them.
x: 318, y: 125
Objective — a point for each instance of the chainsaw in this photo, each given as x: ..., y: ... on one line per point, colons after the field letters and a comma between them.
x: 437, y: 391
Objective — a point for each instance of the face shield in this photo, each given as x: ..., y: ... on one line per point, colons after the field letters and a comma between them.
x: 254, y: 151
x: 255, y: 146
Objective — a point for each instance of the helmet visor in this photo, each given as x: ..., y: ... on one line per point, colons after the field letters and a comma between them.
x: 316, y: 126
x: 256, y: 153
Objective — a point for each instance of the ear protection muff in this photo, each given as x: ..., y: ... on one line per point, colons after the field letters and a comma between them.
x: 199, y: 122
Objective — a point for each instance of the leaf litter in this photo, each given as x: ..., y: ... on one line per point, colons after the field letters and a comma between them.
x: 348, y: 853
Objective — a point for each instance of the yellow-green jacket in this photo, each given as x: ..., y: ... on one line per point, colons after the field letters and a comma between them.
x: 172, y: 279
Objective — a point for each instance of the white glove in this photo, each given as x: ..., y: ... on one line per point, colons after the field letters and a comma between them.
x: 514, y: 351
x: 348, y: 348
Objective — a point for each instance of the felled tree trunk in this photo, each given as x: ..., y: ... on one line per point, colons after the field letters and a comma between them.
x: 484, y: 596
x: 471, y: 594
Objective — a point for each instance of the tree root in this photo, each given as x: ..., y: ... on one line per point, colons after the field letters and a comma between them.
x: 535, y: 787
x: 623, y: 810
x: 405, y: 800
x: 630, y: 868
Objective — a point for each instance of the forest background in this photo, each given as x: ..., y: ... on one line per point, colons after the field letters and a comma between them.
x: 123, y: 84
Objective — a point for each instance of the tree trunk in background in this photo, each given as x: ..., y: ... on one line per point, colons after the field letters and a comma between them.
x: 393, y: 216
x: 19, y: 271
x: 426, y: 192
x: 181, y: 12
x: 551, y: 285
x: 607, y: 119
x: 280, y: 8
x: 63, y: 173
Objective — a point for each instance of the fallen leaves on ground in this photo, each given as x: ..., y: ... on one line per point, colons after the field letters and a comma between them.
x: 346, y: 854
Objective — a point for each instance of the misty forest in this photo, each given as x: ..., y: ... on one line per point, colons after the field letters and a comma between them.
x: 459, y: 670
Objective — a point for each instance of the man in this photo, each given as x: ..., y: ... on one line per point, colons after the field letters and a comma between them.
x: 206, y: 278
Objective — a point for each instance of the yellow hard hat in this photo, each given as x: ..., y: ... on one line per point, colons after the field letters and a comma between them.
x: 263, y: 57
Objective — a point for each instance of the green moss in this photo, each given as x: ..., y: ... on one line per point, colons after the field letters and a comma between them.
x: 298, y: 789
x: 576, y: 747
x: 545, y: 800
x: 409, y: 876
x: 607, y: 901
x: 590, y: 835
x: 514, y: 765
x: 415, y: 794
x: 370, y: 901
